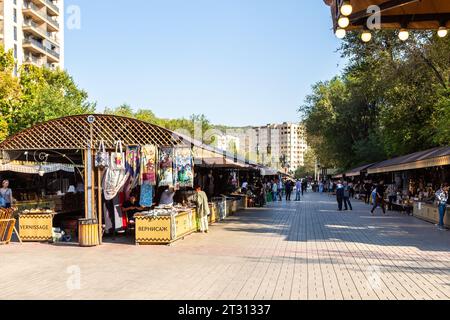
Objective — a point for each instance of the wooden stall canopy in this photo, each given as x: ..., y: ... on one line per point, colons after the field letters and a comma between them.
x: 396, y: 14
x: 425, y: 159
x: 83, y: 131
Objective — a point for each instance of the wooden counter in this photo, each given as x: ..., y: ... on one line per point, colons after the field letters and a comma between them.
x: 36, y: 227
x: 430, y: 213
x: 164, y: 229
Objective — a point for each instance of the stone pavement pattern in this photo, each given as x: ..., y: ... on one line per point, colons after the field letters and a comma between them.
x: 304, y: 250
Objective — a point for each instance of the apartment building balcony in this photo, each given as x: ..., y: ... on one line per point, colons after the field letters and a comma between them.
x: 40, y: 15
x: 33, y: 28
x: 33, y: 60
x: 38, y: 47
x: 54, y: 9
x: 34, y: 46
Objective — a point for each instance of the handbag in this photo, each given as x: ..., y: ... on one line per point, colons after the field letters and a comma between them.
x: 102, y: 157
x: 118, y: 157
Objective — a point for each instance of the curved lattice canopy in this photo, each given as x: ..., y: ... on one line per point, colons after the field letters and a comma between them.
x: 78, y: 132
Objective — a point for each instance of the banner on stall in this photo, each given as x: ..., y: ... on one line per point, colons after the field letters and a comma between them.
x: 148, y: 164
x: 183, y: 167
x: 166, y: 167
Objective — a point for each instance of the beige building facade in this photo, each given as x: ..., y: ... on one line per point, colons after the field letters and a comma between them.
x: 34, y: 30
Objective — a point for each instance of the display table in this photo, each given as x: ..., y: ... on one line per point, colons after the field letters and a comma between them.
x: 214, y: 216
x: 430, y: 212
x: 36, y: 227
x: 164, y: 228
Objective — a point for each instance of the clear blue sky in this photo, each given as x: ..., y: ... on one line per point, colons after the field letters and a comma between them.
x: 239, y: 62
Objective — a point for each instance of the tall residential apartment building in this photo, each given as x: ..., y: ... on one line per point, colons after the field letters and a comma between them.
x: 34, y: 30
x: 273, y: 142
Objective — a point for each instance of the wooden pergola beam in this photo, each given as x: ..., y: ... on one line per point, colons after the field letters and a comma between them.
x: 385, y: 6
x: 440, y: 18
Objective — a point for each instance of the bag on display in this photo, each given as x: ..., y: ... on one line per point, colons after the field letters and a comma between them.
x: 102, y: 157
x: 118, y: 157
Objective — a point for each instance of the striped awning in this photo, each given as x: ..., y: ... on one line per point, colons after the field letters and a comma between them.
x: 425, y: 159
x: 35, y: 168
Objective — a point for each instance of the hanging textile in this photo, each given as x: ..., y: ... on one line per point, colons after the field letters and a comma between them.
x: 113, y: 180
x: 132, y: 164
x: 113, y: 214
x: 146, y: 199
x: 148, y: 164
x: 183, y: 167
x: 166, y: 167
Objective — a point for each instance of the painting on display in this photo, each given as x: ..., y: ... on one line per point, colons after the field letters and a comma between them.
x: 183, y: 167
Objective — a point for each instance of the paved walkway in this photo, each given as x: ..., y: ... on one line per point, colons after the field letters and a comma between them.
x: 304, y: 250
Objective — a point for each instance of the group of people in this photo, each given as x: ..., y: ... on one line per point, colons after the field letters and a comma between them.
x: 277, y: 189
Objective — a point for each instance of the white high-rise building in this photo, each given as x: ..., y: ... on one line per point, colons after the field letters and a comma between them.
x: 34, y: 30
x: 271, y: 144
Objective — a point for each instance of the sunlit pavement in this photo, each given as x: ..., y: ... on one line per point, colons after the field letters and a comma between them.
x: 303, y: 250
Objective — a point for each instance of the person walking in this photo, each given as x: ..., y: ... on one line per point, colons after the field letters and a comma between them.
x: 347, y: 196
x: 288, y: 187
x: 201, y: 201
x: 442, y: 199
x: 379, y: 198
x: 367, y: 191
x: 274, y: 192
x: 280, y: 190
x: 6, y: 197
x: 298, y: 190
x: 304, y: 186
x: 340, y: 195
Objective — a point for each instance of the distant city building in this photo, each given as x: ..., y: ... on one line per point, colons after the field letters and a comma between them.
x: 34, y: 30
x: 280, y: 146
x: 228, y: 143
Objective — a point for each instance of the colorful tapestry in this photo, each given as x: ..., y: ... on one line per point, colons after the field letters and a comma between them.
x: 132, y: 164
x: 183, y: 167
x: 148, y: 164
x: 146, y: 199
x: 166, y: 167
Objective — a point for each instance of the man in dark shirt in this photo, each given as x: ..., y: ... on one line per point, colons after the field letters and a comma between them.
x: 379, y: 199
x: 367, y: 191
x: 288, y: 188
x: 131, y: 207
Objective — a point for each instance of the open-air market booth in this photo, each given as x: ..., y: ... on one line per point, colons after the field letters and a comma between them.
x: 75, y: 173
x: 417, y: 177
x: 88, y: 176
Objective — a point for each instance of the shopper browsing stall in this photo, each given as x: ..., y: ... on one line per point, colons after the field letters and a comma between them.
x: 201, y: 201
x: 442, y: 198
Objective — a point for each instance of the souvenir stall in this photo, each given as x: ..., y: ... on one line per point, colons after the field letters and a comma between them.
x: 221, y: 175
x: 44, y: 197
x: 416, y: 178
x: 113, y: 157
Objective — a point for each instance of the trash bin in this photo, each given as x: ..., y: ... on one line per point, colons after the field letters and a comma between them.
x: 88, y: 233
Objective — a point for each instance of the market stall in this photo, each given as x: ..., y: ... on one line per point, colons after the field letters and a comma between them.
x: 165, y: 225
x: 110, y: 160
x: 78, y: 143
x: 415, y: 179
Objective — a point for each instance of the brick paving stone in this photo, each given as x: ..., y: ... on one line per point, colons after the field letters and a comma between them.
x: 296, y: 250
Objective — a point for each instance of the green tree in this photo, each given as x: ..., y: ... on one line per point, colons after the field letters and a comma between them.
x: 391, y: 99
